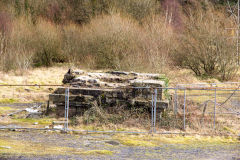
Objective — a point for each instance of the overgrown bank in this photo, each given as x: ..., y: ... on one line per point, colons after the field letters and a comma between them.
x: 138, y: 35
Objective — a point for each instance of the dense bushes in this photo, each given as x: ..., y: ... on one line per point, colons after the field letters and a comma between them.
x: 32, y: 45
x: 48, y: 45
x: 138, y: 9
x: 119, y: 43
x: 81, y: 11
x: 141, y: 35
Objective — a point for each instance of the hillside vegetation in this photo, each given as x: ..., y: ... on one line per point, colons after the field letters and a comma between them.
x: 138, y: 35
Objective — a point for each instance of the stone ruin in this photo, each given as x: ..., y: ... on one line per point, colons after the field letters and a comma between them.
x: 112, y: 88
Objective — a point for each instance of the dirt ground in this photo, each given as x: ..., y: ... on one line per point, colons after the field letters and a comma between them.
x: 38, y: 145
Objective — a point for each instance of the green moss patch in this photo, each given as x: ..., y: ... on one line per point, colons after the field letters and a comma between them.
x: 131, y: 142
x: 8, y: 100
x: 230, y: 130
x: 42, y: 121
x: 16, y: 147
x: 156, y: 140
x: 5, y: 109
x: 196, y: 140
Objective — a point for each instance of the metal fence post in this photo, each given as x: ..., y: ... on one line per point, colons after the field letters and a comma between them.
x: 152, y: 113
x: 65, y: 113
x: 67, y: 106
x: 184, y: 110
x: 215, y: 104
x: 176, y: 102
x: 155, y: 109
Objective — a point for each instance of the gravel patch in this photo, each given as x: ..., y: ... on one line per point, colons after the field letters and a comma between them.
x: 106, y: 142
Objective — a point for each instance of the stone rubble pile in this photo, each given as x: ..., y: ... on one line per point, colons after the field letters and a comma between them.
x: 112, y: 79
x: 112, y: 88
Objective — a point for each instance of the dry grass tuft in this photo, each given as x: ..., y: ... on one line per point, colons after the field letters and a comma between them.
x: 156, y: 140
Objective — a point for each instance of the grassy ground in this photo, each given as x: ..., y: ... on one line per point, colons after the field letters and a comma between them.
x: 28, y: 148
x: 41, y: 145
x: 54, y: 75
x: 156, y: 140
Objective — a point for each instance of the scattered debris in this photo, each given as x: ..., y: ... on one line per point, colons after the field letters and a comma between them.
x: 5, y: 147
x: 60, y: 127
x: 33, y: 111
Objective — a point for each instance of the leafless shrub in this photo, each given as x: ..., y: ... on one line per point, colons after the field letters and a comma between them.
x: 32, y: 45
x: 20, y: 47
x: 203, y: 48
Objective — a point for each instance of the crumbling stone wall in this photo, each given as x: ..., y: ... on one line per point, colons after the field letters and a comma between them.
x: 111, y: 88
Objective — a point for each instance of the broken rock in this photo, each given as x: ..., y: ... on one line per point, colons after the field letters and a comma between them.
x: 112, y: 88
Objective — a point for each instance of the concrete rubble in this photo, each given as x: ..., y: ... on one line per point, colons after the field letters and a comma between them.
x: 112, y: 88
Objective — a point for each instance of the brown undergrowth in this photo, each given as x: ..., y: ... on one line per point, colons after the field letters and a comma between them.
x: 197, y: 121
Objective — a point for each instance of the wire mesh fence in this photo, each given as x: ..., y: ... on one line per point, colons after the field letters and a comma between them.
x: 210, y: 107
x: 198, y: 108
x: 25, y: 106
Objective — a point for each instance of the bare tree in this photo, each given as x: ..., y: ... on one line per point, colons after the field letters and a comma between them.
x: 204, y: 49
x: 5, y: 25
